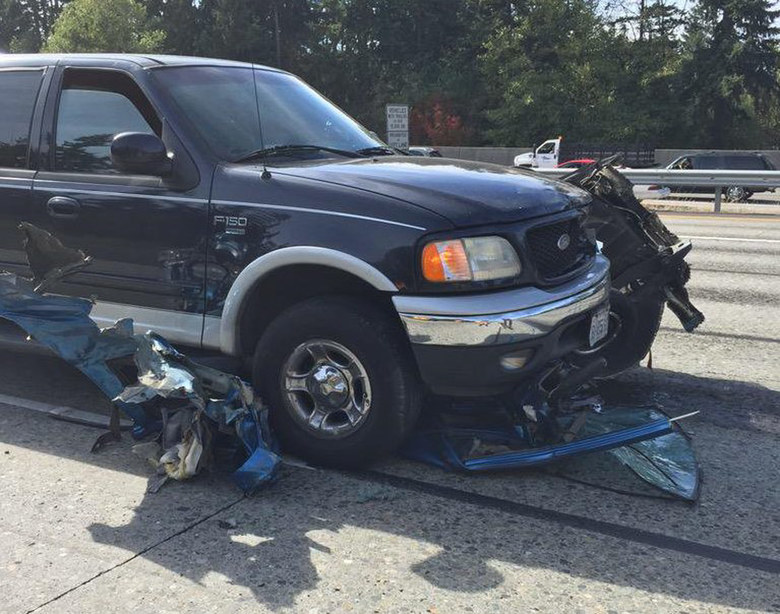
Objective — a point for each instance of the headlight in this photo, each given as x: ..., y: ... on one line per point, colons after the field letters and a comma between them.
x: 474, y: 259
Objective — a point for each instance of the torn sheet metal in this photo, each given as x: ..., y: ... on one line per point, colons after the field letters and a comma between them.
x: 647, y: 265
x: 181, y: 403
x: 643, y: 439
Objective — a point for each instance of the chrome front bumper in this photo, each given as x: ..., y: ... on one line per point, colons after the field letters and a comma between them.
x: 504, y: 317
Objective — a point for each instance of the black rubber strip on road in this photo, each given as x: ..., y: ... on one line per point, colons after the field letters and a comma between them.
x: 730, y: 272
x: 610, y: 529
x: 706, y: 333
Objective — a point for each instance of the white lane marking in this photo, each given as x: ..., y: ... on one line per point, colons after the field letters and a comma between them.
x: 62, y: 411
x: 738, y: 239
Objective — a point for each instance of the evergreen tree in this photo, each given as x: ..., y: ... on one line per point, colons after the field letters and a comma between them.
x: 104, y: 25
x: 729, y: 72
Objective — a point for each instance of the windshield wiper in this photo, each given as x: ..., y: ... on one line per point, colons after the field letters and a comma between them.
x: 379, y: 150
x: 280, y: 150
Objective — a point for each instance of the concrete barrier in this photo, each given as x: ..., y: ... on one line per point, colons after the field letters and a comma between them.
x: 494, y: 155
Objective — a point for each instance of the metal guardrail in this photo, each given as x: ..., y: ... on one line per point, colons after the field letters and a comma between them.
x: 716, y: 179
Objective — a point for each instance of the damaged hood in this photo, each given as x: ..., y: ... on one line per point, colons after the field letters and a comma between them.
x: 466, y: 193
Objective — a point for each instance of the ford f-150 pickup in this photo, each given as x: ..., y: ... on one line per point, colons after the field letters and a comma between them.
x: 229, y: 206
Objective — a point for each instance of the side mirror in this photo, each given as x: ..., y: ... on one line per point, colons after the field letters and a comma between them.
x: 140, y: 153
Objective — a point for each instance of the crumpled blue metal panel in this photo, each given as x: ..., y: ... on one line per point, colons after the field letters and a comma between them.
x: 644, y: 439
x: 63, y: 325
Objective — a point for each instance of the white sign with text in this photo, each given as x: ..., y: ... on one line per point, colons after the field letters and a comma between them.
x: 398, y: 125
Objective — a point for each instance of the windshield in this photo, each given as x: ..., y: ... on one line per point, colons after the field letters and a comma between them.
x: 220, y: 102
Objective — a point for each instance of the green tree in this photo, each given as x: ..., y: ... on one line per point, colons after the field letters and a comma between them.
x: 728, y: 75
x: 25, y: 24
x: 181, y: 20
x: 272, y: 32
x: 366, y: 53
x: 120, y: 26
x: 550, y: 73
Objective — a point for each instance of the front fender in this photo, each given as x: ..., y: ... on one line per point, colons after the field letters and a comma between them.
x: 253, y: 273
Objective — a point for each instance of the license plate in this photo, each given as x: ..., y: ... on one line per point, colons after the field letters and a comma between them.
x: 599, y: 325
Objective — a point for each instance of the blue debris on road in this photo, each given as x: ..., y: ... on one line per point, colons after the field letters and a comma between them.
x: 181, y: 405
x: 643, y: 439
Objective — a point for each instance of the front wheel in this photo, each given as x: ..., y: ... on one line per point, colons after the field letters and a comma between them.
x: 636, y: 323
x: 340, y: 380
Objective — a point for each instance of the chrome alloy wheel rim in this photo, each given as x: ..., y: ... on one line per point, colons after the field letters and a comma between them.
x: 327, y: 388
x: 736, y: 193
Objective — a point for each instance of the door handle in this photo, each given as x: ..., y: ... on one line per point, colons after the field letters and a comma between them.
x: 63, y: 207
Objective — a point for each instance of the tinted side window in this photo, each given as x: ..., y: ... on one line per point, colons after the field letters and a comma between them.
x: 707, y: 162
x: 745, y: 163
x: 18, y: 92
x: 94, y: 107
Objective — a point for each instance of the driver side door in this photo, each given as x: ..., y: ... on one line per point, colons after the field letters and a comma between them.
x: 147, y: 240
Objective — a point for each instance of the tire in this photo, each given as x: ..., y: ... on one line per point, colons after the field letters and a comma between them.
x: 737, y: 194
x: 639, y: 322
x: 334, y: 351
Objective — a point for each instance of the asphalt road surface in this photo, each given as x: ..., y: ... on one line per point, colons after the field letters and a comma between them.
x: 79, y: 534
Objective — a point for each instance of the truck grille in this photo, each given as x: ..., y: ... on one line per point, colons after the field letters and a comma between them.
x: 551, y: 261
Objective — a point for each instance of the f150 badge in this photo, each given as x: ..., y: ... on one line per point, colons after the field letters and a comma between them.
x: 233, y: 225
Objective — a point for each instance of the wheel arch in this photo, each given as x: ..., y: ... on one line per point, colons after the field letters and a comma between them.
x: 246, y: 290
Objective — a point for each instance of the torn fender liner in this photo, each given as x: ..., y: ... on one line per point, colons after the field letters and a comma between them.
x: 643, y: 439
x: 188, y: 403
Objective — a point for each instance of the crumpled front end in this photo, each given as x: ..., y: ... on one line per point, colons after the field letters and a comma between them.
x: 647, y: 264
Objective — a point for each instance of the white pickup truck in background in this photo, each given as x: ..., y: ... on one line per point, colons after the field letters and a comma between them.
x: 544, y: 156
x: 551, y: 154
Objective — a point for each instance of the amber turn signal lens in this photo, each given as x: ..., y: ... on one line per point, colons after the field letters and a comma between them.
x: 445, y: 261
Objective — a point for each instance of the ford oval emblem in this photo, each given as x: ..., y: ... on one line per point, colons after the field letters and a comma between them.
x: 563, y: 242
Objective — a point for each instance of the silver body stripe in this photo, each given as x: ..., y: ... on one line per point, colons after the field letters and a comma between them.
x: 232, y: 203
x: 320, y: 211
x: 128, y: 194
x: 176, y: 326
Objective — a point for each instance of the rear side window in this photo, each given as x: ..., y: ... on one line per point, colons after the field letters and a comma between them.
x: 732, y: 163
x: 745, y: 163
x: 18, y: 93
x: 94, y: 107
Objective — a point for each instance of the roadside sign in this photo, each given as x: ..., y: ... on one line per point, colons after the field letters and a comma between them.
x: 400, y: 140
x: 398, y: 125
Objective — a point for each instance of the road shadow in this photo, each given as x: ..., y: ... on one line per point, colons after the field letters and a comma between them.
x: 725, y: 403
x: 289, y: 522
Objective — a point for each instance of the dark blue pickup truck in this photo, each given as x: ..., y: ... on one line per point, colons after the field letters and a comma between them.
x: 229, y: 206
